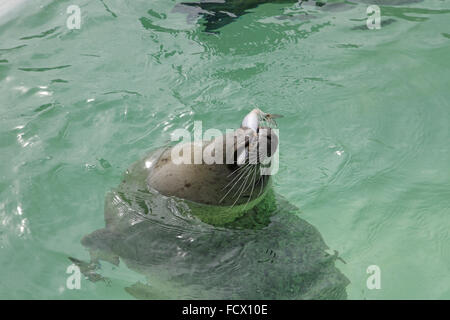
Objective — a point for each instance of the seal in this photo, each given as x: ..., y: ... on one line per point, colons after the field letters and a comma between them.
x: 266, y: 251
x: 220, y: 178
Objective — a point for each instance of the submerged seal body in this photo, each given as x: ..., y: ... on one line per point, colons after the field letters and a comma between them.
x: 267, y: 253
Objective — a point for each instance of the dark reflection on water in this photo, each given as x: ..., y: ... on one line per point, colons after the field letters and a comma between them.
x: 269, y: 253
x: 218, y: 13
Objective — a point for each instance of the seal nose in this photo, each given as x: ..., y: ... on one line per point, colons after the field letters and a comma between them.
x: 256, y: 117
x: 251, y: 120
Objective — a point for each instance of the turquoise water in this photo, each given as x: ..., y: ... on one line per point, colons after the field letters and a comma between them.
x: 364, y: 149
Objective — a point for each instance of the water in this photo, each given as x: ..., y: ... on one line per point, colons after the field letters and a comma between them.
x: 364, y: 147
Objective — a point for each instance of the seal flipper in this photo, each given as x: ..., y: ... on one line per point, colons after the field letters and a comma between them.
x: 98, y: 245
x: 89, y: 270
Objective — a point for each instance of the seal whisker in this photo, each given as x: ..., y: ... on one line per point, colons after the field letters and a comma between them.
x: 237, y: 170
x: 245, y: 173
x: 252, y: 173
x: 241, y: 188
x: 253, y: 186
x: 246, y: 187
x: 262, y: 185
x: 242, y: 174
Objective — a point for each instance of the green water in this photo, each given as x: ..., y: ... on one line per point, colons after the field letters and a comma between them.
x: 364, y: 142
